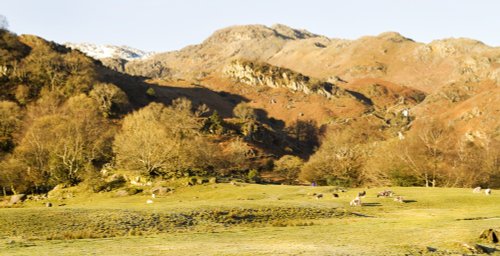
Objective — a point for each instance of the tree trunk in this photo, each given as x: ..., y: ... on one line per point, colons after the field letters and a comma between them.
x: 13, y: 189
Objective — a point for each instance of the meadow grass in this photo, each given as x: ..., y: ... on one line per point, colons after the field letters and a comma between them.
x: 249, y: 219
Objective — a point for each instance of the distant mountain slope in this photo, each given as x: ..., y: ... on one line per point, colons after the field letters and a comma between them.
x: 388, y: 56
x: 382, y: 70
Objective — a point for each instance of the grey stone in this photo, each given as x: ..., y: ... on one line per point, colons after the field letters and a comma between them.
x: 17, y: 198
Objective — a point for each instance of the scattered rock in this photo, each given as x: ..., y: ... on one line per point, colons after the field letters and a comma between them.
x: 17, y: 198
x: 431, y: 249
x: 121, y: 192
x: 490, y: 235
x: 470, y: 248
x: 160, y: 190
x: 255, y: 73
x: 37, y: 197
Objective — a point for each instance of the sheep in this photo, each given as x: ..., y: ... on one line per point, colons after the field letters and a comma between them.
x: 477, y: 190
x: 153, y: 195
x: 362, y: 194
x: 399, y: 199
x: 149, y: 201
x: 487, y: 191
x: 355, y: 202
x: 385, y: 193
x: 319, y: 196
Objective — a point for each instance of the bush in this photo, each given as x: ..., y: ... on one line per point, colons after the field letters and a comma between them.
x: 151, y: 92
x: 253, y: 176
x: 288, y: 167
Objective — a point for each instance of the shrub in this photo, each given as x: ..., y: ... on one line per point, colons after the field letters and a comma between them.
x: 288, y: 167
x: 253, y: 176
x: 151, y: 92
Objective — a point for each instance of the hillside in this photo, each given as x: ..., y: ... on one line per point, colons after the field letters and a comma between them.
x: 247, y: 100
x: 442, y: 68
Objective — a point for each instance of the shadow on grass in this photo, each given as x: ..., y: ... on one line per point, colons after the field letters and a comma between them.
x: 409, y: 201
x: 372, y: 204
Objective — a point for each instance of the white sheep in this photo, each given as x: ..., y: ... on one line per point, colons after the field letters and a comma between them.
x: 149, y: 201
x: 487, y: 191
x: 355, y: 202
x: 477, y: 190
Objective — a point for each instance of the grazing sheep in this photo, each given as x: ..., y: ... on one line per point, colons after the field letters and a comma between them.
x: 319, y: 196
x: 48, y: 204
x: 385, y: 193
x: 487, y: 191
x: 399, y: 199
x: 362, y: 194
x: 355, y: 202
x: 477, y: 190
x: 153, y: 195
x: 335, y: 195
x: 149, y: 201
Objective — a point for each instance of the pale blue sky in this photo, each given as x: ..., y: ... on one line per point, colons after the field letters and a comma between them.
x: 156, y: 25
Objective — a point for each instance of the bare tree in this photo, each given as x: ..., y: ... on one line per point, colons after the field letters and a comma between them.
x: 289, y: 167
x: 425, y: 152
x: 62, y: 144
x: 110, y: 97
x: 4, y: 24
x: 339, y: 161
x: 160, y: 140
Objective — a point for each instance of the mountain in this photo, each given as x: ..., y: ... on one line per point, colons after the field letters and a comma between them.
x: 388, y: 56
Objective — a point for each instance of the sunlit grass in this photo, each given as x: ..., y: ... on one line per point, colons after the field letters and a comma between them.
x: 442, y: 218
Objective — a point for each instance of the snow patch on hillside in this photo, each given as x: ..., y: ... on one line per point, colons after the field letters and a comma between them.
x: 109, y: 51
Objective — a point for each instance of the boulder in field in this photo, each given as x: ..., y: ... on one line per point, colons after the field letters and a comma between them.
x: 17, y: 198
x: 160, y: 190
x: 490, y: 235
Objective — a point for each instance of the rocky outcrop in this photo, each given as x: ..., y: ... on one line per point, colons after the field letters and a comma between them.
x: 253, y: 73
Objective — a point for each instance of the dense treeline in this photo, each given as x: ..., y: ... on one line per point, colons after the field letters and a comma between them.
x: 61, y: 123
x: 430, y: 155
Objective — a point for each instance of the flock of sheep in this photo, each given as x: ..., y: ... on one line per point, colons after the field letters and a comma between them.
x: 386, y: 193
x: 357, y: 200
x: 478, y: 190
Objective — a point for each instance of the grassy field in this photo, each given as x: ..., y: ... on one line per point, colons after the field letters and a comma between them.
x: 223, y: 219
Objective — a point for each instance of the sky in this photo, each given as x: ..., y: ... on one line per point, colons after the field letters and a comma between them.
x: 164, y: 25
